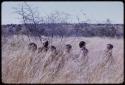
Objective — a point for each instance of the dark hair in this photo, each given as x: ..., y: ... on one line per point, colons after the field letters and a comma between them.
x: 69, y: 46
x: 19, y: 25
x: 110, y: 46
x: 45, y: 44
x: 53, y: 47
x: 32, y: 46
x: 82, y: 43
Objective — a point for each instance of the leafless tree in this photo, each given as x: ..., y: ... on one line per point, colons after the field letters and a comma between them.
x: 30, y: 18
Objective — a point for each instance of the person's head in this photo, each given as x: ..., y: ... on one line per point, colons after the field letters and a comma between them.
x: 52, y: 48
x: 68, y: 47
x: 82, y: 44
x: 19, y: 25
x: 109, y: 46
x: 45, y: 44
x: 32, y: 46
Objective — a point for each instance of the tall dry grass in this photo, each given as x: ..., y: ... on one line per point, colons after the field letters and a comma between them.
x: 22, y: 66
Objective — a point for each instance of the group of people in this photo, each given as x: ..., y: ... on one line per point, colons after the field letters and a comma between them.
x: 55, y: 54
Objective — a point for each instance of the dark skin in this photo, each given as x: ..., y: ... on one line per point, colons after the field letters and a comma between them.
x: 52, y: 57
x: 108, y: 54
x: 109, y: 46
x: 68, y: 48
x: 109, y: 50
x: 44, y: 48
x: 32, y: 47
x: 46, y: 44
x: 82, y: 44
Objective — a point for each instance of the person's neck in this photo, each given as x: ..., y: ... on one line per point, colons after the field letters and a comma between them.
x: 83, y: 47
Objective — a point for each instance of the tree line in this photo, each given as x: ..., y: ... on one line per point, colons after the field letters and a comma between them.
x: 65, y: 29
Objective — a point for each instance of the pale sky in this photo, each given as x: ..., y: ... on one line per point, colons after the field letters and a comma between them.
x: 96, y: 12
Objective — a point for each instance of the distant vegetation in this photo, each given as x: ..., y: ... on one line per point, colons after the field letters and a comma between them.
x: 65, y: 30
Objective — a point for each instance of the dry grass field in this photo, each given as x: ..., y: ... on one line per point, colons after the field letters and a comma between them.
x: 22, y: 66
